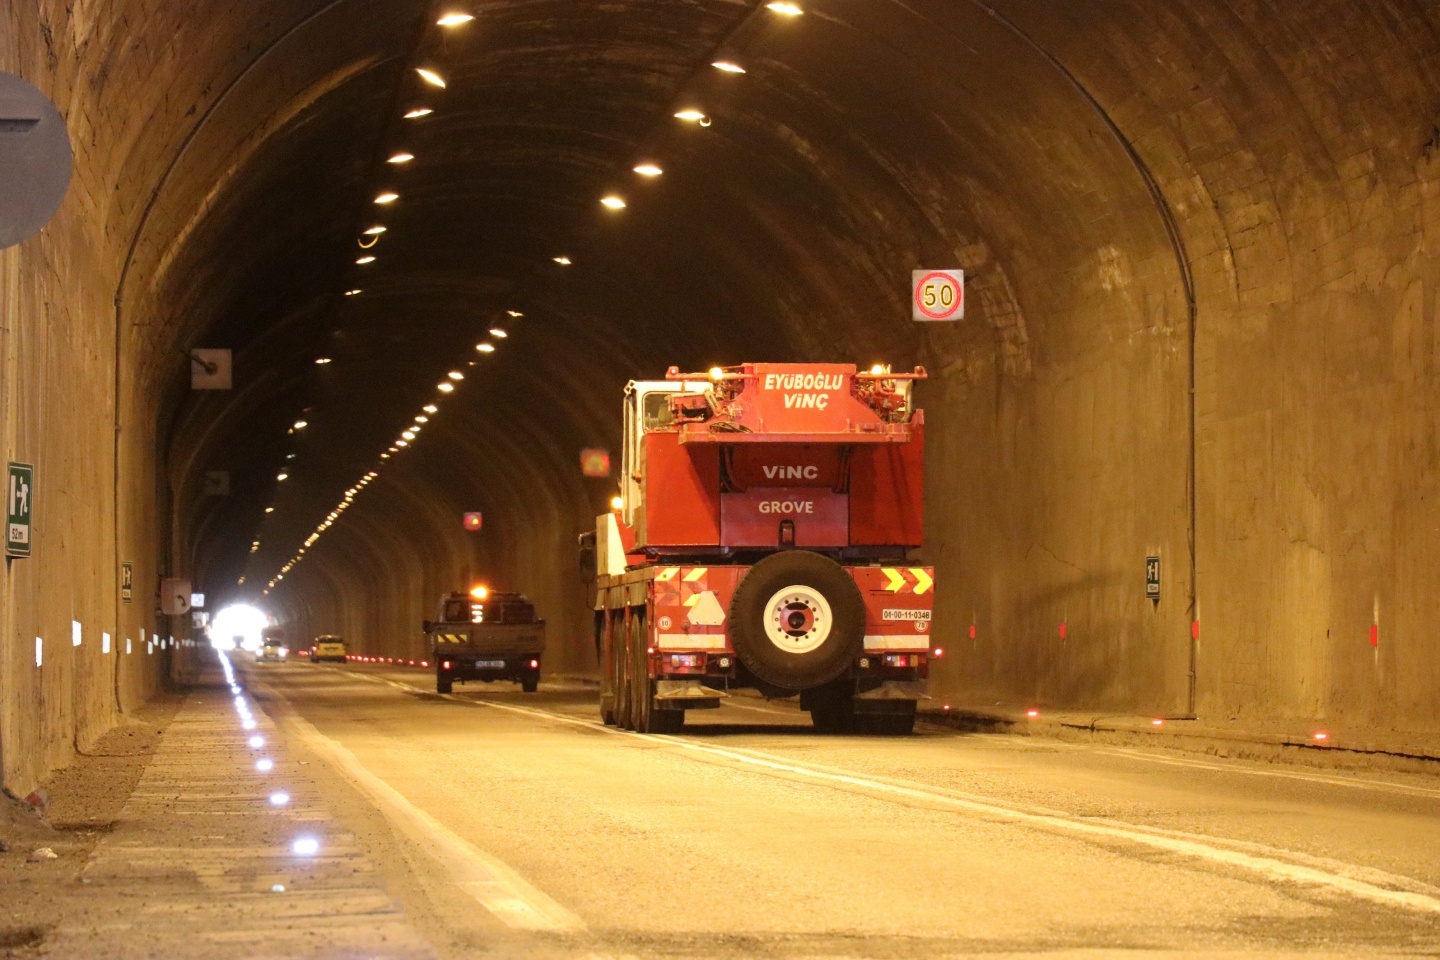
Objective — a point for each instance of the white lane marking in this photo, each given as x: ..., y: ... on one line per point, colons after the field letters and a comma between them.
x: 1357, y: 782
x: 1360, y: 882
x: 488, y: 880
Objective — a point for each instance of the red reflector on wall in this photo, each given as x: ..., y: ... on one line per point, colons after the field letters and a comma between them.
x: 1374, y: 634
x: 1195, y: 630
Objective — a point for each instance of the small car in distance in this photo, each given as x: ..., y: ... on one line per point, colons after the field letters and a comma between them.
x: 328, y: 648
x: 272, y: 651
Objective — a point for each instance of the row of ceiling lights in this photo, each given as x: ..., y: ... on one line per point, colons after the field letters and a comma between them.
x: 372, y: 235
x: 369, y: 238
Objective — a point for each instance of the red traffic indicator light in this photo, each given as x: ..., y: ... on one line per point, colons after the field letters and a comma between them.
x: 595, y: 462
x: 474, y: 521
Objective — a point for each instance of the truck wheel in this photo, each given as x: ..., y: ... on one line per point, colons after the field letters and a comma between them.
x: 666, y: 721
x: 444, y: 683
x: 605, y: 656
x: 530, y: 686
x: 889, y: 724
x: 832, y: 709
x: 797, y: 620
x: 624, y: 695
x: 641, y: 701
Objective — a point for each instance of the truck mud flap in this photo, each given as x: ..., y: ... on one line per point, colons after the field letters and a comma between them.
x: 888, y: 692
x: 686, y: 695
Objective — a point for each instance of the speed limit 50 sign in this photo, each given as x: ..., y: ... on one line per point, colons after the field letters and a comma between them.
x: 938, y: 294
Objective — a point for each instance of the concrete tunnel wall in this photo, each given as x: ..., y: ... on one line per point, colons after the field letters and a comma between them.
x: 1145, y: 198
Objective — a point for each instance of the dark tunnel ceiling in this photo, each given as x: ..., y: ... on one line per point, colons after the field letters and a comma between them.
x: 864, y: 138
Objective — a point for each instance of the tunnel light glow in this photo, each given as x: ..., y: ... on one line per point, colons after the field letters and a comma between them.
x: 321, y: 361
x: 485, y: 347
x: 256, y: 742
x: 454, y: 19
x: 269, y: 509
x: 408, y: 434
x: 1321, y: 735
x: 612, y: 203
x: 445, y: 387
x: 1157, y: 722
x: 691, y: 116
x: 350, y: 293
x: 306, y: 846
x: 282, y: 476
x: 784, y: 9
x: 498, y: 333
x: 1032, y: 713
x: 402, y: 443
x: 431, y: 77
x: 563, y: 261
x: 514, y: 313
x: 301, y: 424
x: 430, y: 408
x: 387, y: 198
x: 419, y: 418
x: 649, y: 170
x: 365, y: 260
x: 418, y: 112
x: 455, y: 375
x: 401, y: 158
x: 238, y: 620
x: 375, y: 231
x: 726, y: 66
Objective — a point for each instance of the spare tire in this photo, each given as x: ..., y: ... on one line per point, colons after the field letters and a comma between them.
x: 797, y: 620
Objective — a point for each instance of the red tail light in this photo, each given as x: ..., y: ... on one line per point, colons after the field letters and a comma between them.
x: 445, y: 665
x: 534, y: 664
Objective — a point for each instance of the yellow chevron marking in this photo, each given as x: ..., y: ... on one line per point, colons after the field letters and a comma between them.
x: 696, y: 574
x: 690, y: 602
x: 897, y: 579
x: 667, y: 574
x: 923, y: 580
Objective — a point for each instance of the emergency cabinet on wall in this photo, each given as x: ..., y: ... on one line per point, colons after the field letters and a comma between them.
x: 766, y: 513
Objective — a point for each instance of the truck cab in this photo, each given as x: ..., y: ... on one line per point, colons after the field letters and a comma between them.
x: 486, y: 636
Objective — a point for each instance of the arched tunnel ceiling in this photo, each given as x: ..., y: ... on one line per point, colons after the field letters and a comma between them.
x: 867, y: 137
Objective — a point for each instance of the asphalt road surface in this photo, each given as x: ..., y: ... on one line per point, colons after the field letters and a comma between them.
x: 518, y: 825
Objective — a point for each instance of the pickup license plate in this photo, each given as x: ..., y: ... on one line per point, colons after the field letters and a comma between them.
x: 489, y: 664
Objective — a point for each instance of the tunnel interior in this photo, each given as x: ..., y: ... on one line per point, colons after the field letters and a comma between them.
x: 1200, y: 321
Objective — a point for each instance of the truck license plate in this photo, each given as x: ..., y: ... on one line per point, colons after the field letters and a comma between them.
x: 489, y: 664
x: 905, y: 615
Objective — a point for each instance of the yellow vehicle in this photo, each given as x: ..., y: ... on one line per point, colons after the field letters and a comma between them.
x: 328, y: 647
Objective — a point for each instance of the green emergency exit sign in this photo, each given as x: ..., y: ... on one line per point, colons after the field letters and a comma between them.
x: 19, y: 507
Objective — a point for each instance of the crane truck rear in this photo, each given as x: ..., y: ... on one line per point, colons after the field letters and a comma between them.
x: 761, y: 540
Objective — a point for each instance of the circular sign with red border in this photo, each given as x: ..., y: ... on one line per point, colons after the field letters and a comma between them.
x: 939, y: 294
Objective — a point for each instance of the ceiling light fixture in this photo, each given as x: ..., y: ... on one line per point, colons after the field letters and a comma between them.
x: 498, y: 333
x: 401, y: 158
x: 351, y: 293
x: 301, y: 424
x: 649, y: 170
x: 281, y: 476
x: 322, y: 360
x: 454, y: 19
x: 431, y: 77
x: 430, y: 408
x: 375, y: 231
x: 784, y: 8
x: 455, y: 375
x: 418, y: 112
x: 408, y: 435
x: 612, y: 203
x: 563, y: 261
x: 485, y: 347
x: 446, y: 387
x: 692, y: 116
x: 365, y: 259
x: 727, y: 67
x: 387, y: 198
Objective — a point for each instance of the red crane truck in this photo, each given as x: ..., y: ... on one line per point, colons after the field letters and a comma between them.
x: 760, y: 540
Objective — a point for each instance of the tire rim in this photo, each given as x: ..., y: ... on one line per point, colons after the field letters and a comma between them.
x: 798, y: 619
